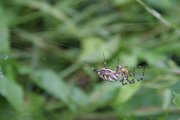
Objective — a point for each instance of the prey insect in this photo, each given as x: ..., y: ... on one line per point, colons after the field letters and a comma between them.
x: 121, y: 74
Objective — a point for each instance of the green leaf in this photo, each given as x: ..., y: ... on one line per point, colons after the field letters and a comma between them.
x: 154, y: 58
x: 44, y: 7
x: 79, y: 97
x: 167, y: 97
x: 32, y: 108
x: 12, y: 92
x: 121, y: 2
x: 104, y: 93
x: 127, y: 92
x: 130, y: 60
x: 34, y: 102
x: 94, y: 47
x: 91, y: 49
x: 176, y: 100
x: 50, y: 82
x: 54, y: 85
x: 4, y: 32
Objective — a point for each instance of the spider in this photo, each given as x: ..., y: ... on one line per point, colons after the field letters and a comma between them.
x: 120, y: 74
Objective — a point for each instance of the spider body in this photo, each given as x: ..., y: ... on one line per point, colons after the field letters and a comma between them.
x: 122, y: 70
x: 112, y: 75
x: 119, y: 74
x: 125, y: 74
x: 108, y: 74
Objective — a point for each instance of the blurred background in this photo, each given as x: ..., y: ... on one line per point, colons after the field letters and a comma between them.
x: 44, y: 45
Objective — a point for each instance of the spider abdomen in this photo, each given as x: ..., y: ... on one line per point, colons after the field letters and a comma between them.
x: 109, y: 74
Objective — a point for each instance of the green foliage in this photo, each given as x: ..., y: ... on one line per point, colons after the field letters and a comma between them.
x: 12, y: 92
x: 45, y: 43
x: 177, y: 100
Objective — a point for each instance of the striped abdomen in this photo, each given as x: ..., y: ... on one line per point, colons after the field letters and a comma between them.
x: 109, y: 75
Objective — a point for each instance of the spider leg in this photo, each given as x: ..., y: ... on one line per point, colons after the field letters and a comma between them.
x: 123, y: 82
x: 141, y: 78
x: 123, y: 79
x: 105, y: 64
x: 92, y: 68
x: 117, y: 63
x: 104, y: 78
x: 128, y: 80
x: 131, y: 81
x: 132, y: 74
